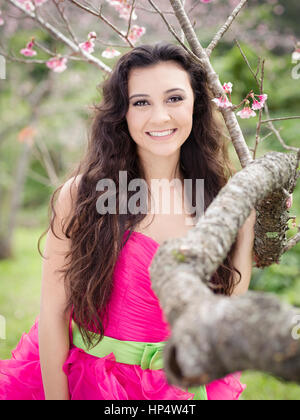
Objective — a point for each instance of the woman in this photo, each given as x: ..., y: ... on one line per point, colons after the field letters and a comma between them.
x: 155, y: 121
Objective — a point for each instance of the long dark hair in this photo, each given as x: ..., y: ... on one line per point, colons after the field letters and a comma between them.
x: 97, y: 239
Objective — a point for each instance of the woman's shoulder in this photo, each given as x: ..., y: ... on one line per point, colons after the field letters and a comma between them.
x: 68, y: 193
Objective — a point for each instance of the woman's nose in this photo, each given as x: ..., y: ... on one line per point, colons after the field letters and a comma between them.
x: 159, y: 114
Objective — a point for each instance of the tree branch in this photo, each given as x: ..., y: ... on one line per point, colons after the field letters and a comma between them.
x: 225, y: 27
x: 61, y: 37
x: 230, y: 119
x: 215, y: 335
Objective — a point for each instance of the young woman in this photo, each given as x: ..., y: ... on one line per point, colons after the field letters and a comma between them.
x: 155, y: 121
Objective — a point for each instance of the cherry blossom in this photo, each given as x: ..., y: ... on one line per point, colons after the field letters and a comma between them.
x: 29, y: 6
x: 28, y: 51
x: 1, y: 19
x: 222, y: 102
x: 227, y: 87
x: 89, y: 45
x: 289, y: 201
x: 246, y: 112
x: 110, y: 53
x: 263, y: 98
x: 136, y: 32
x: 206, y: 1
x: 57, y: 64
x: 124, y: 8
x: 258, y: 104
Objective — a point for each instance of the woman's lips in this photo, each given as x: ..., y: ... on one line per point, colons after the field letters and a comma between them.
x: 161, y: 137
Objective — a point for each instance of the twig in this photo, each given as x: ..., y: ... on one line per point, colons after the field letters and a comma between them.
x: 258, y: 126
x: 225, y: 27
x: 104, y: 19
x: 293, y: 241
x: 281, y: 119
x: 66, y: 21
x: 277, y: 134
x: 248, y: 64
x: 61, y: 37
x: 171, y: 29
x: 130, y: 17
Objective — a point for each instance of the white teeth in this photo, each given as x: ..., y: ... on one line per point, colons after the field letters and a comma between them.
x: 161, y: 133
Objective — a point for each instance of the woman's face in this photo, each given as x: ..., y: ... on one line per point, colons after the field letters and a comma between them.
x: 160, y: 113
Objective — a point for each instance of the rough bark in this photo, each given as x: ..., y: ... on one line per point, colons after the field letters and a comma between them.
x: 182, y: 268
x: 220, y: 335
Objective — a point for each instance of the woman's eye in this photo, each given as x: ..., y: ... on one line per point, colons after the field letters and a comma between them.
x: 179, y: 98
x: 139, y: 102
x: 176, y: 98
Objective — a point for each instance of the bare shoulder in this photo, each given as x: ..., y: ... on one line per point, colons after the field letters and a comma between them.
x: 67, y: 195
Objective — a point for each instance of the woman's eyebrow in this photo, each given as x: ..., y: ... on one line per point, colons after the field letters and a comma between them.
x: 144, y: 94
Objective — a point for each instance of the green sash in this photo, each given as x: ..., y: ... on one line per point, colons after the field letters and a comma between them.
x: 147, y: 355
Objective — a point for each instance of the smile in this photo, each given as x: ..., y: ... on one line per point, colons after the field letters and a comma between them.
x: 162, y: 134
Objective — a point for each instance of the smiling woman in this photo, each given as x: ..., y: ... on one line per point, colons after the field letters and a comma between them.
x: 101, y: 330
x: 162, y: 116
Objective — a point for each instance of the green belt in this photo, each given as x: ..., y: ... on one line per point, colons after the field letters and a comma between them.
x: 147, y: 355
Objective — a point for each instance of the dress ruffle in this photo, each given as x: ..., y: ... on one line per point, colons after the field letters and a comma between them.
x: 94, y: 378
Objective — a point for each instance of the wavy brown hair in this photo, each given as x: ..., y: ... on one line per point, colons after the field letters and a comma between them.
x: 97, y: 239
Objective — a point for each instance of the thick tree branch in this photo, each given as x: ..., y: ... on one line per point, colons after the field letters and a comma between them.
x: 211, y: 331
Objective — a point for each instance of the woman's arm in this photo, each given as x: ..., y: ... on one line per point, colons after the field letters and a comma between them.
x: 243, y: 255
x: 53, y: 324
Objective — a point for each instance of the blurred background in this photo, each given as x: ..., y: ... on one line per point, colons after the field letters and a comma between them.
x: 45, y: 120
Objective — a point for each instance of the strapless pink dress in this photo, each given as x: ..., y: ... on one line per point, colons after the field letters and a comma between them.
x: 135, y: 314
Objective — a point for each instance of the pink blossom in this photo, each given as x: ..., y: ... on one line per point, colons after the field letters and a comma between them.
x: 136, y: 32
x: 206, y: 1
x: 28, y: 51
x: 92, y: 35
x: 289, y: 201
x: 89, y: 45
x: 222, y: 102
x: 260, y: 103
x: 110, y: 53
x: 256, y: 105
x: 263, y: 98
x: 246, y: 112
x: 124, y: 8
x: 227, y: 87
x: 57, y: 64
x: 27, y: 4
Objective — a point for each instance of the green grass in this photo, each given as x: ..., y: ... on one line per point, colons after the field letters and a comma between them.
x: 20, y: 288
x: 261, y: 386
x: 20, y: 299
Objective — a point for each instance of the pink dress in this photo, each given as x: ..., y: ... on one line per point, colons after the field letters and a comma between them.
x: 134, y: 315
